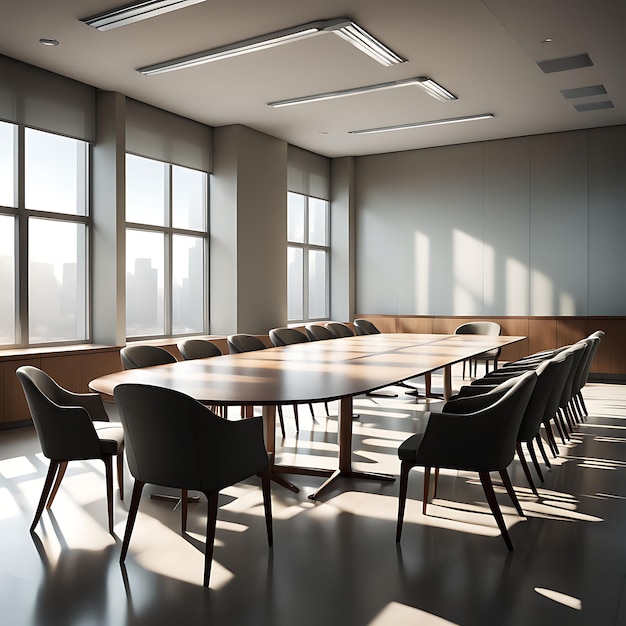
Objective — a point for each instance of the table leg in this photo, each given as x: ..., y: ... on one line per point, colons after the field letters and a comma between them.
x: 447, y: 382
x: 269, y: 432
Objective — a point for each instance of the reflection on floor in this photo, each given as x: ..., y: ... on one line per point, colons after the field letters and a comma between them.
x: 334, y: 561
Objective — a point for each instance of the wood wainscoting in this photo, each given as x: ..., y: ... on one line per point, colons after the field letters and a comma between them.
x: 543, y: 333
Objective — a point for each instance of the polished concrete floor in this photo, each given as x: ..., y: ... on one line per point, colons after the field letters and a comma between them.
x: 334, y: 561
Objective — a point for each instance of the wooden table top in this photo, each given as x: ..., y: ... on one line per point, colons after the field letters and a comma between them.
x: 308, y: 372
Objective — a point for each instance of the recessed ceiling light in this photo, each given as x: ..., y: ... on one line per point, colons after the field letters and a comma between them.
x: 547, y: 40
x: 48, y: 41
x: 450, y: 120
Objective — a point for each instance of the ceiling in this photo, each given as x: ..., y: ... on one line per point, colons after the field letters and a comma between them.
x: 483, y: 51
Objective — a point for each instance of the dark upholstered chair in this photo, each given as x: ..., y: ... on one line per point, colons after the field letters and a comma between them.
x: 482, y: 440
x: 145, y: 356
x: 174, y: 441
x: 71, y: 427
x: 317, y: 332
x: 480, y: 328
x: 340, y: 330
x: 197, y: 349
x: 365, y: 327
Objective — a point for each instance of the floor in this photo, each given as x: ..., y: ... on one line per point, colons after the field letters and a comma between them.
x: 334, y: 561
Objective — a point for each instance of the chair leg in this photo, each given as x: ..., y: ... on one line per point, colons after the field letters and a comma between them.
x: 551, y: 440
x: 485, y: 480
x: 326, y: 407
x: 120, y: 473
x: 436, y: 482
x: 210, y: 534
x: 522, y: 460
x: 533, y: 456
x: 267, y: 504
x: 108, y: 470
x: 404, y: 481
x: 52, y: 470
x: 57, y: 483
x: 132, y: 516
x: 281, y: 420
x: 184, y: 508
x: 297, y: 419
x: 426, y: 489
x: 539, y: 441
x: 506, y: 481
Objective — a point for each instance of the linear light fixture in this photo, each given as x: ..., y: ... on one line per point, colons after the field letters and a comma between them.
x: 427, y: 84
x: 450, y: 120
x: 135, y: 12
x: 343, y: 27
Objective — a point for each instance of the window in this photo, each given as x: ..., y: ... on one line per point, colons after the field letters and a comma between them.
x: 166, y: 249
x: 308, y: 255
x: 44, y: 234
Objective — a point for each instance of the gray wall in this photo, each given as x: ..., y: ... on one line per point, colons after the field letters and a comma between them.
x: 525, y: 226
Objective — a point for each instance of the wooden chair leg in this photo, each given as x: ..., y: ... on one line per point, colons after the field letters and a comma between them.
x: 522, y: 460
x: 426, y: 489
x: 281, y: 420
x: 485, y: 480
x: 551, y: 440
x: 62, y: 466
x: 297, y: 419
x: 533, y: 456
x: 132, y: 516
x: 436, y: 482
x: 108, y: 471
x: 52, y: 471
x: 210, y: 534
x: 267, y: 504
x: 539, y: 441
x: 506, y: 481
x: 120, y: 473
x: 404, y: 481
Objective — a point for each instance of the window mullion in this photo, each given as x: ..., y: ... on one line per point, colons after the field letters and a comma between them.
x: 21, y: 265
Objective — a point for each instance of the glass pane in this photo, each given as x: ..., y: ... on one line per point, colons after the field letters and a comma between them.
x: 145, y: 191
x: 295, y: 217
x: 318, y: 219
x: 7, y: 280
x: 189, y: 207
x: 145, y: 281
x: 57, y: 281
x: 56, y: 173
x: 317, y: 284
x: 7, y: 165
x: 187, y: 284
x: 295, y: 284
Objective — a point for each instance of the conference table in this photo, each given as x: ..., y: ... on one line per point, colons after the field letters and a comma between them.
x: 319, y: 371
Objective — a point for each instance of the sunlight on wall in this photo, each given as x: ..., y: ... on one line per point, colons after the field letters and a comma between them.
x: 567, y: 305
x: 516, y: 288
x: 489, y: 275
x: 561, y: 598
x: 395, y: 613
x: 422, y: 274
x: 468, y: 274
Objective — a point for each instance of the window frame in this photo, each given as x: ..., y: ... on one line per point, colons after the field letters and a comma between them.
x: 169, y: 232
x: 306, y: 248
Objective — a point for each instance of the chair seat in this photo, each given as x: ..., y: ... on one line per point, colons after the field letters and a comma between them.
x: 111, y: 436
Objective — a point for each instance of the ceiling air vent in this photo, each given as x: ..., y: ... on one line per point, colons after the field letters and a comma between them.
x: 565, y: 63
x: 584, y: 92
x: 594, y: 106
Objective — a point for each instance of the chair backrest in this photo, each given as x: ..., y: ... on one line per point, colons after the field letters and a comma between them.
x: 174, y: 441
x: 244, y: 343
x: 287, y: 336
x: 366, y: 327
x: 596, y: 337
x: 479, y: 328
x: 340, y: 330
x: 578, y: 349
x: 316, y: 332
x: 65, y: 432
x: 489, y: 435
x: 134, y: 357
x: 197, y: 349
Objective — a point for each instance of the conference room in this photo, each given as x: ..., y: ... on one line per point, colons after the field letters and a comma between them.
x: 146, y: 203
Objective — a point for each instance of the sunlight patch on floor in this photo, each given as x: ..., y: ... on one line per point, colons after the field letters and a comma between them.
x: 561, y: 598
x: 396, y: 614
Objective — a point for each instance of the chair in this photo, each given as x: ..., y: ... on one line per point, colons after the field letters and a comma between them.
x: 287, y: 336
x: 134, y: 357
x: 71, y: 427
x: 249, y: 343
x: 365, y: 327
x: 317, y: 332
x: 481, y: 328
x: 339, y: 330
x: 174, y: 441
x: 197, y: 349
x: 483, y: 441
